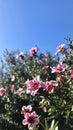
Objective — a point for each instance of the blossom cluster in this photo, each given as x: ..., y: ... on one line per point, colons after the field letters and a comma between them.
x: 30, y: 118
x: 33, y: 86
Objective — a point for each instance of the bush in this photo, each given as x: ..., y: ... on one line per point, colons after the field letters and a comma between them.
x: 36, y: 89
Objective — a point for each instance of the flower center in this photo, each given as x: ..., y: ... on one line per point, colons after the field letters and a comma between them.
x: 31, y: 120
x: 35, y: 85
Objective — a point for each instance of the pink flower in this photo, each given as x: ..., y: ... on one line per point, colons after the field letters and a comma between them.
x: 60, y: 78
x: 34, y: 85
x: 39, y: 61
x: 33, y: 51
x: 50, y: 85
x: 60, y: 48
x: 20, y: 55
x: 31, y: 120
x: 71, y: 74
x: 59, y: 69
x: 2, y: 91
x: 26, y: 109
x: 19, y: 91
x: 12, y: 88
x: 54, y: 69
x: 45, y: 67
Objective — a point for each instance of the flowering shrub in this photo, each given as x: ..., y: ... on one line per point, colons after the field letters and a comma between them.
x: 36, y: 90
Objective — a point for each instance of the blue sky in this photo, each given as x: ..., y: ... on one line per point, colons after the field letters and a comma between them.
x: 26, y: 23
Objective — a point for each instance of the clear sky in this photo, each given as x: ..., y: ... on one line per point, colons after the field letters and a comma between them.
x: 26, y: 23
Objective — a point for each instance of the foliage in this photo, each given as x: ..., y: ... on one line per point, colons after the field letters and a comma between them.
x: 37, y: 86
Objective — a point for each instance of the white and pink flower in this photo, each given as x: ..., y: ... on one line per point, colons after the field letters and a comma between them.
x: 13, y: 78
x: 21, y: 55
x: 45, y: 67
x: 59, y: 69
x: 39, y: 61
x: 19, y: 91
x: 2, y: 91
x: 60, y: 48
x: 50, y: 85
x: 30, y: 119
x: 34, y: 85
x: 33, y: 51
x: 12, y: 88
x: 71, y: 74
x: 26, y: 109
x: 60, y: 78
